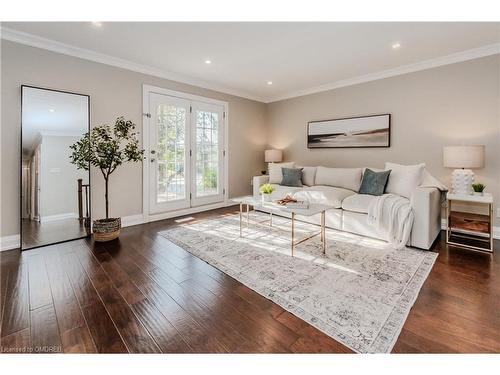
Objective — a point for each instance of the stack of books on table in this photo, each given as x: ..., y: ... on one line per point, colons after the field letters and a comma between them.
x: 298, y: 204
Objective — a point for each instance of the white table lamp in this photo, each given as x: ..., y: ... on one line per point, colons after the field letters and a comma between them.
x: 273, y: 156
x: 463, y: 158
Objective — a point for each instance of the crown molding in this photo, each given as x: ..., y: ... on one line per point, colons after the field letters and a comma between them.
x: 471, y: 54
x: 82, y: 53
x: 66, y: 49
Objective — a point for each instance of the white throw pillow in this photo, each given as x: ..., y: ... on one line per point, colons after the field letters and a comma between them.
x: 347, y: 178
x: 308, y: 175
x: 404, y: 179
x: 275, y: 174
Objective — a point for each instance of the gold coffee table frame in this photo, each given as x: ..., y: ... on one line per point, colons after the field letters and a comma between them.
x: 293, y: 242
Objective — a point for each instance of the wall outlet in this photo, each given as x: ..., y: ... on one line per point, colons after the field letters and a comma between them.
x: 498, y: 212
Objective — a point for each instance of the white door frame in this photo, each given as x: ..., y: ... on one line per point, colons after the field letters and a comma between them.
x: 146, y: 89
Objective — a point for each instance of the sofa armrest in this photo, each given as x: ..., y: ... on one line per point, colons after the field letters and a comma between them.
x: 257, y: 182
x: 426, y: 204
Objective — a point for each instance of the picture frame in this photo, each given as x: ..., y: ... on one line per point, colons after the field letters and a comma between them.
x: 370, y: 131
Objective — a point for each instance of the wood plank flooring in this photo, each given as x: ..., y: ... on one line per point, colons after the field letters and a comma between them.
x: 143, y: 294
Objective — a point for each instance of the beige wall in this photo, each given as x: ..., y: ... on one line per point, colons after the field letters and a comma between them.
x: 449, y: 105
x: 113, y: 92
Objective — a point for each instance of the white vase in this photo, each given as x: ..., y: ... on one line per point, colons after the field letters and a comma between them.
x: 461, y: 181
x: 479, y: 193
x: 266, y: 198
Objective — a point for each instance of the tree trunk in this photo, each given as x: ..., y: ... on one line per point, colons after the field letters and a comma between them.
x: 106, y: 196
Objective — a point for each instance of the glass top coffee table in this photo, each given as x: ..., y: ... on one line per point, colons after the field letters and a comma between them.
x: 271, y: 207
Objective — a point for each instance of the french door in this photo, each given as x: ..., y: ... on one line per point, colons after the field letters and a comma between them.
x: 186, y: 153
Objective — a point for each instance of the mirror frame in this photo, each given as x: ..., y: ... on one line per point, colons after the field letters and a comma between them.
x: 21, y: 170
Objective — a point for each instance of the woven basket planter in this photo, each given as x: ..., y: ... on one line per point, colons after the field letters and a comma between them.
x: 106, y: 229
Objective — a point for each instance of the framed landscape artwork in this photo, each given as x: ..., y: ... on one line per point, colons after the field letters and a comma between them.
x: 362, y: 131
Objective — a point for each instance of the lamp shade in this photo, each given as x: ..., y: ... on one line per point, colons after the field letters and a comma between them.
x: 463, y: 156
x: 272, y: 156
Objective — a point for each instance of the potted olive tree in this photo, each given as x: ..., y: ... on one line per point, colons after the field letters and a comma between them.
x: 107, y: 148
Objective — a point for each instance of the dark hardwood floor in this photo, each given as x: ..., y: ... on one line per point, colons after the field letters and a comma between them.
x: 143, y: 294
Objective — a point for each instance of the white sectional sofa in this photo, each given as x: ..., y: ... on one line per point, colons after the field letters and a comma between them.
x: 339, y: 186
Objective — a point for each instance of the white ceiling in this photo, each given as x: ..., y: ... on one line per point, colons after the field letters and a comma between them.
x: 297, y: 57
x: 46, y: 112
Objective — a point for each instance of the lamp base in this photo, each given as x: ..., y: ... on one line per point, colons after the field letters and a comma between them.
x: 461, y: 181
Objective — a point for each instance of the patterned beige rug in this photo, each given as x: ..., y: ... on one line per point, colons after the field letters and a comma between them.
x: 360, y: 293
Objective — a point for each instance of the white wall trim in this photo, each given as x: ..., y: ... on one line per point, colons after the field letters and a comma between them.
x: 10, y: 242
x: 86, y: 54
x: 128, y: 221
x: 471, y: 54
x: 66, y: 49
x: 68, y: 215
x: 496, y: 230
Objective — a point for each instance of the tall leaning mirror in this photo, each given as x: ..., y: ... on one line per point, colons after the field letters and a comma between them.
x: 55, y: 195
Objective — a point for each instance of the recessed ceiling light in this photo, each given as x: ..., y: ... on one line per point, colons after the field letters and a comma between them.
x: 97, y: 24
x: 269, y: 83
x: 396, y: 45
x: 208, y: 61
x: 52, y: 110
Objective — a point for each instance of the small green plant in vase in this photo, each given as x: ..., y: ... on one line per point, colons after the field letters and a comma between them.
x: 266, y: 191
x: 478, y: 188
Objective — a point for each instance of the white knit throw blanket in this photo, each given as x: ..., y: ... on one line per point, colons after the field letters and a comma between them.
x: 392, y: 216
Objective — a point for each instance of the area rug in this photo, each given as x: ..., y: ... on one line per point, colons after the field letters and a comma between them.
x: 359, y: 293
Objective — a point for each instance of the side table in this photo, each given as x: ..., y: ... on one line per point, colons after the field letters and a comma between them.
x: 471, y: 227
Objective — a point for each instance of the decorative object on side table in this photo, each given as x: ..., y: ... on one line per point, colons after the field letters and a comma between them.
x: 107, y: 148
x: 478, y: 188
x: 463, y: 158
x: 466, y: 229
x: 266, y: 191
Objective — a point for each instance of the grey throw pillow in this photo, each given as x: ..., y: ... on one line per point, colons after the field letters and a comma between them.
x: 292, y: 177
x: 374, y: 183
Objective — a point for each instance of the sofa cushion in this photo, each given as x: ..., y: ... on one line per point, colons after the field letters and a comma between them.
x: 374, y: 183
x: 291, y: 177
x: 358, y: 203
x: 308, y: 175
x: 347, y: 178
x: 324, y: 195
x: 404, y: 179
x: 275, y: 174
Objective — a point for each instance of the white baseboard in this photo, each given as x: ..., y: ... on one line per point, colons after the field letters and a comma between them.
x: 496, y: 230
x: 10, y: 242
x: 128, y: 221
x: 131, y: 220
x: 69, y: 215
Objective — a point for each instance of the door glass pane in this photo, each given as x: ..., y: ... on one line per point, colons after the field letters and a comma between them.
x: 171, y: 130
x: 207, y: 153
